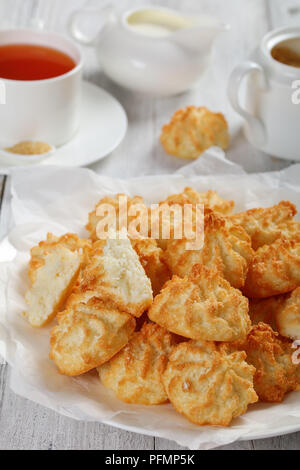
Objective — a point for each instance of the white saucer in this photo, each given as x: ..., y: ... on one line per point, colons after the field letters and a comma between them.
x: 103, y: 127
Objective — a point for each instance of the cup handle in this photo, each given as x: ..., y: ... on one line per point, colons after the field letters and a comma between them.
x: 256, y: 126
x: 78, y: 34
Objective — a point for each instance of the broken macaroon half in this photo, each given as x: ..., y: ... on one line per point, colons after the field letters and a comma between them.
x: 53, y: 270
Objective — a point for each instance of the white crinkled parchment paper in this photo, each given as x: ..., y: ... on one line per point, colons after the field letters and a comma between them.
x: 58, y: 200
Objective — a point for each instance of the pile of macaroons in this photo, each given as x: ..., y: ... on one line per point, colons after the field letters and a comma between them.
x: 211, y: 330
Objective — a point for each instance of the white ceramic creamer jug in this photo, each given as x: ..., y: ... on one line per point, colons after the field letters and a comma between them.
x: 152, y: 50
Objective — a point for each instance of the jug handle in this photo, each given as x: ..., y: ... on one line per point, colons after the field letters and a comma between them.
x: 78, y: 34
x: 256, y: 126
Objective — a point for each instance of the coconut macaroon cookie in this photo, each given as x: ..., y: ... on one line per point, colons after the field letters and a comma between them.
x: 134, y: 374
x: 88, y: 334
x: 264, y: 226
x: 226, y: 248
x: 152, y: 260
x: 54, y: 267
x: 291, y: 230
x: 288, y: 316
x: 209, y: 386
x: 275, y: 270
x: 171, y: 217
x: 115, y: 275
x: 210, y: 199
x: 281, y: 312
x: 193, y: 130
x: 202, y: 306
x: 272, y: 357
x: 121, y: 204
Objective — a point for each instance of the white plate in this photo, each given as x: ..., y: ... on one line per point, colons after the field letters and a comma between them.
x: 59, y: 200
x: 103, y: 127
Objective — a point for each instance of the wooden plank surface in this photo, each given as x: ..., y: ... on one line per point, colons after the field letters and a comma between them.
x: 23, y: 424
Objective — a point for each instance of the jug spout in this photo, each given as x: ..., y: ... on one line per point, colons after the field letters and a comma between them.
x: 199, y: 37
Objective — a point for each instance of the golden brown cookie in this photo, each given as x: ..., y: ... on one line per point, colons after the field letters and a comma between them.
x: 226, y: 248
x: 290, y: 230
x: 193, y: 130
x: 264, y: 226
x: 134, y: 374
x: 207, y: 385
x: 126, y: 211
x: 288, y: 315
x: 53, y: 269
x: 152, y: 260
x: 275, y: 269
x: 169, y: 215
x: 210, y: 199
x: 202, y: 306
x: 88, y: 334
x: 272, y: 358
x: 116, y: 276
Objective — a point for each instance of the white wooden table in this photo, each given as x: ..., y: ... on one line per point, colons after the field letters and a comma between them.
x: 23, y: 424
